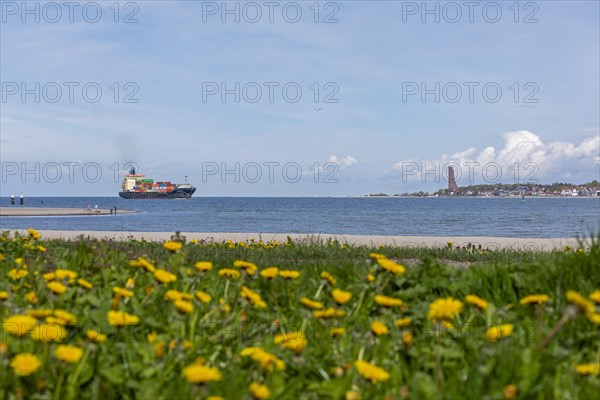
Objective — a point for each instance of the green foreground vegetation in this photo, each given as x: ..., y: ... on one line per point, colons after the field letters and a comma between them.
x: 138, y: 320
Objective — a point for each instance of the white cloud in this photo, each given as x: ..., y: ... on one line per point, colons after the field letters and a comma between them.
x: 524, y: 157
x: 345, y: 162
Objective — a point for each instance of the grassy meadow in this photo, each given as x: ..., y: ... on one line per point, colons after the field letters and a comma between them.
x: 180, y: 320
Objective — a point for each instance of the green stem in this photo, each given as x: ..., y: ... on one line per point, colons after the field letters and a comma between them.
x: 193, y: 326
x: 73, y: 378
x: 319, y: 290
x: 225, y: 291
x: 360, y: 302
x: 59, y: 384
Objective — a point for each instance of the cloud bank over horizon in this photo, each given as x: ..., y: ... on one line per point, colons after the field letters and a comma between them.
x: 523, y: 158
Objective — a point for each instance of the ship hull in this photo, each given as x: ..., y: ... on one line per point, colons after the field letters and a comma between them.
x: 176, y: 194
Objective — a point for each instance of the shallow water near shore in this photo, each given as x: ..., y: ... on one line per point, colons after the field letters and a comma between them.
x: 442, y: 216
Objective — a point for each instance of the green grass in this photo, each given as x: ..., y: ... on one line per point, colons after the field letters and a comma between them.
x: 448, y: 364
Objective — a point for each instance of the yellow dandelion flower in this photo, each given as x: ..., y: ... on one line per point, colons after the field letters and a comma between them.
x: 494, y: 333
x: 159, y: 350
x: 122, y: 292
x: 34, y: 234
x: 203, y: 296
x: 391, y: 266
x: 534, y: 299
x: 3, y: 348
x: 142, y: 262
x: 595, y: 296
x: 477, y: 301
x: 203, y: 266
x: 65, y: 274
x: 593, y: 317
x: 57, y: 287
x: 164, y: 276
x: 329, y: 313
x: 16, y: 274
x: 249, y: 267
x: 67, y: 317
x: 377, y: 256
x: 25, y: 364
x: 173, y: 295
x: 224, y: 307
x: 328, y: 277
x: 267, y: 360
x: 588, y: 369
x: 335, y: 331
x: 584, y: 305
x: 447, y: 325
x: 49, y: 276
x: 444, y: 309
x: 48, y: 333
x: 18, y: 325
x: 95, y: 336
x: 312, y: 304
x: 252, y: 297
x: 370, y: 278
x: 41, y: 248
x: 39, y: 313
x: 151, y: 337
x: 388, y: 301
x: 68, y: 354
x: 341, y: 296
x: 84, y: 284
x: 31, y: 298
x: 259, y: 392
x: 3, y: 295
x: 403, y: 322
x: 55, y: 321
x: 289, y: 274
x: 371, y: 371
x: 510, y: 392
x: 172, y: 246
x: 121, y: 318
x: 407, y: 339
x: 269, y: 273
x: 379, y: 328
x: 200, y: 374
x: 229, y: 273
x: 184, y: 306
x: 352, y: 395
x: 294, y: 341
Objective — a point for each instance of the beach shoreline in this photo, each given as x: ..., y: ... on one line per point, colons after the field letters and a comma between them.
x: 56, y: 212
x: 487, y: 243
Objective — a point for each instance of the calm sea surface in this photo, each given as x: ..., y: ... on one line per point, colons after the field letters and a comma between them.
x: 537, y: 217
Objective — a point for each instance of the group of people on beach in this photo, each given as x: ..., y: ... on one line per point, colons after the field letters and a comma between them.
x: 112, y: 210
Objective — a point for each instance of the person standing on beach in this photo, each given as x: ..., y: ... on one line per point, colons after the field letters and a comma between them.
x: 22, y: 199
x: 115, y: 209
x: 96, y: 208
x: 12, y: 199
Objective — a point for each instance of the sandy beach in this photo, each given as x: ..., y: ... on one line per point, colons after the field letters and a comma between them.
x: 49, y: 212
x: 490, y: 243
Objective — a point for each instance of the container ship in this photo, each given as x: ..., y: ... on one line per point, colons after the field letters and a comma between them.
x: 137, y: 186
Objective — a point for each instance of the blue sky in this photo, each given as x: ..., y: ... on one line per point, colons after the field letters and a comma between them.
x: 367, y: 61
